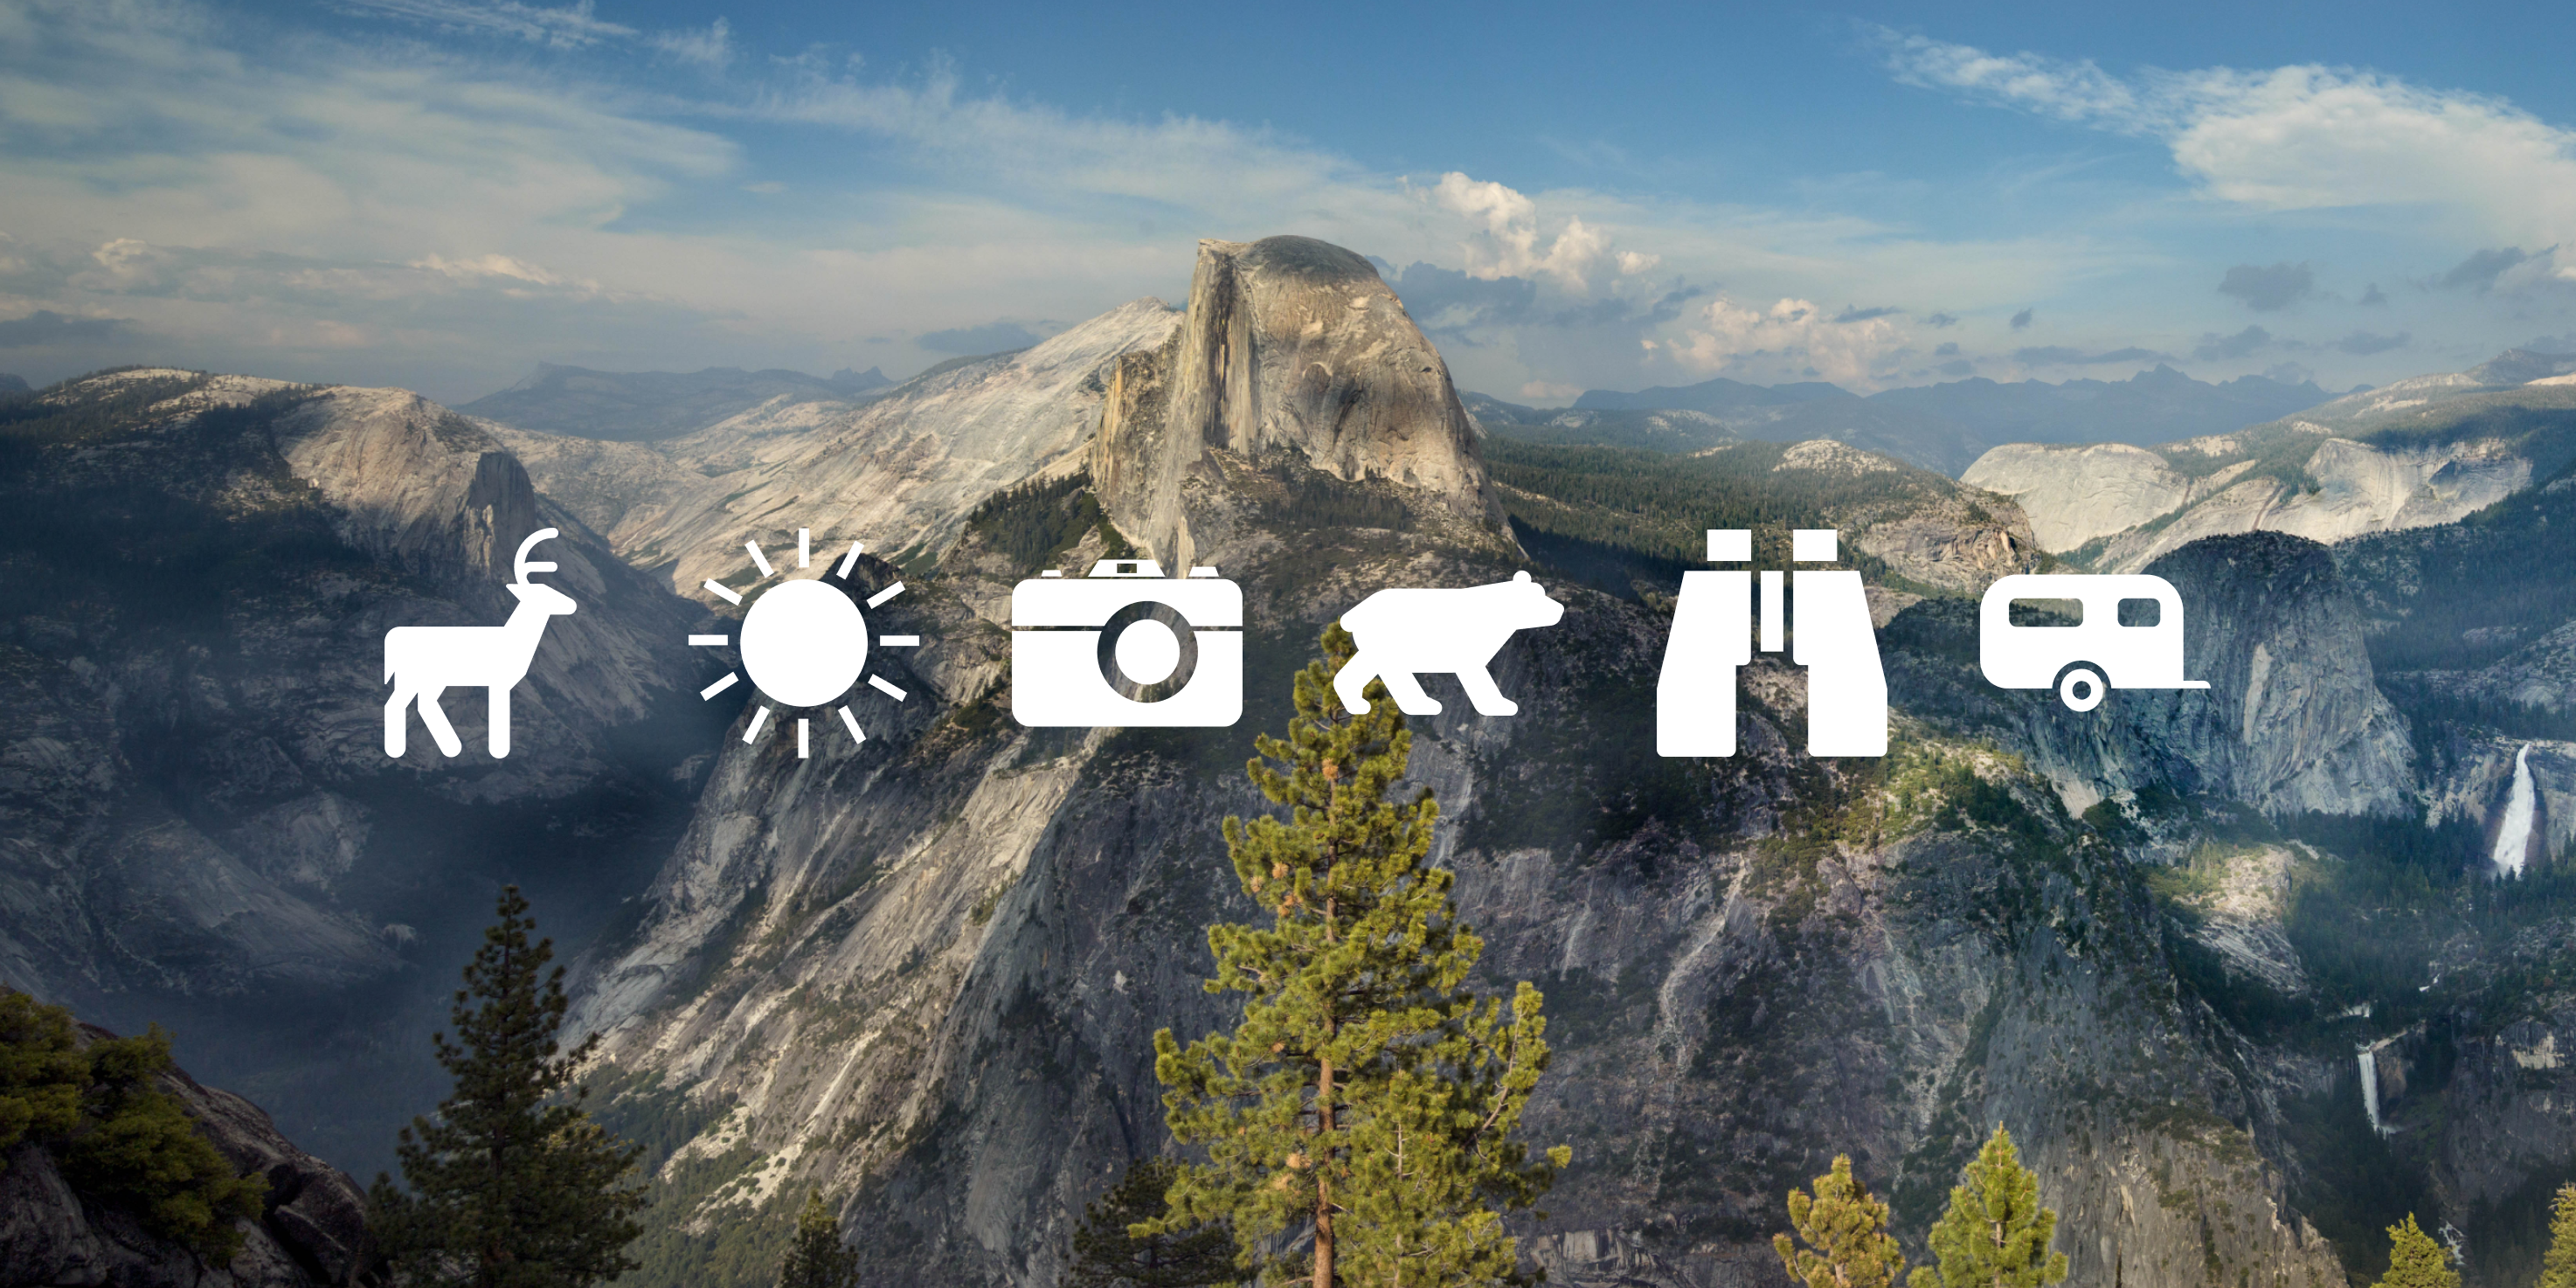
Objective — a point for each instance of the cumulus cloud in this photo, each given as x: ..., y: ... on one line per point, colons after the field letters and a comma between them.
x: 2269, y: 289
x: 1507, y: 244
x: 1942, y: 320
x: 2293, y: 138
x: 1794, y: 335
x: 2363, y: 343
x: 2374, y: 295
x: 2289, y: 373
x: 2021, y: 320
x: 2243, y: 344
x: 44, y: 327
x: 1852, y: 314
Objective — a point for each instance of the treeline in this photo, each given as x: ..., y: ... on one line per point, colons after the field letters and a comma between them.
x: 1034, y: 522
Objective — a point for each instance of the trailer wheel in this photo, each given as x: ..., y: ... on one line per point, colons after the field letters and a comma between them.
x: 2081, y: 687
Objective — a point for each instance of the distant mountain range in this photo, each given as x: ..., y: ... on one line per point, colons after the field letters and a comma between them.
x: 1941, y: 427
x: 641, y: 406
x: 10, y: 384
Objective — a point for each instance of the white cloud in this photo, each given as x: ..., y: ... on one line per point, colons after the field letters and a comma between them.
x: 712, y: 47
x: 564, y: 27
x: 1783, y: 341
x: 2296, y: 138
x: 1507, y: 243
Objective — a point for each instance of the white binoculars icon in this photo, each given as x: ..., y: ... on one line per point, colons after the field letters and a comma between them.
x: 1713, y: 635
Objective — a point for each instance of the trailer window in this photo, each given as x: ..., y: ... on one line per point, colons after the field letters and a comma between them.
x: 2141, y: 612
x: 2047, y: 612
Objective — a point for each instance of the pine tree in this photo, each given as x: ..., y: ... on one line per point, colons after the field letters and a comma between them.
x: 2558, y: 1265
x: 1369, y: 1099
x: 137, y: 1146
x: 1109, y: 1253
x: 1845, y: 1231
x: 818, y: 1258
x: 1995, y: 1235
x: 2415, y: 1261
x: 510, y: 1185
x: 42, y: 1071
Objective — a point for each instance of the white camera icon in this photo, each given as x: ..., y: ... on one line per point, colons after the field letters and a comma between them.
x: 1127, y: 646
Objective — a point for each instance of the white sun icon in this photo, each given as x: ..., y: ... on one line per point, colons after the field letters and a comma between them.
x: 804, y: 643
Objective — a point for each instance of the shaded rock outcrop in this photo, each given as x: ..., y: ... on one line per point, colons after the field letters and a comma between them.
x: 311, y: 1233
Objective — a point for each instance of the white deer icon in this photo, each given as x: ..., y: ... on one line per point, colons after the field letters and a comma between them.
x: 425, y: 661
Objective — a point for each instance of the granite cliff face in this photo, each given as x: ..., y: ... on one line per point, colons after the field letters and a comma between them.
x: 1295, y: 350
x: 2293, y: 721
x: 2140, y: 507
x: 198, y: 823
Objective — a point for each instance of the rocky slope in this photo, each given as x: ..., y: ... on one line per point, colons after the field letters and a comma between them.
x: 899, y: 473
x: 923, y: 974
x: 201, y: 826
x: 2417, y: 454
x: 312, y: 1233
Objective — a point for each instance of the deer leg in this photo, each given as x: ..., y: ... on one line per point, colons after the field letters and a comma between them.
x: 436, y: 719
x: 497, y: 719
x: 397, y: 720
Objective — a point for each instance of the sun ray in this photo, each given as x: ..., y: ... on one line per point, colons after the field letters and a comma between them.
x: 804, y: 546
x: 758, y: 718
x: 718, y: 687
x: 800, y: 737
x: 878, y: 683
x: 717, y: 640
x: 853, y: 723
x: 718, y: 589
x: 900, y: 641
x: 885, y: 594
x: 849, y: 560
x: 760, y: 560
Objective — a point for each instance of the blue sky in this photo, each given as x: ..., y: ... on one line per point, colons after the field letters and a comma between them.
x: 439, y: 193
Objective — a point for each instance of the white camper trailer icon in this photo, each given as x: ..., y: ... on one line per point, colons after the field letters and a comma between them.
x: 2085, y: 653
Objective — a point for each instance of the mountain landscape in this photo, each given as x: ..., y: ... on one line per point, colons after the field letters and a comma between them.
x: 1940, y: 427
x: 2230, y: 964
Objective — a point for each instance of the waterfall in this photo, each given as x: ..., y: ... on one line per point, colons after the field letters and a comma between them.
x: 2370, y: 1088
x: 2515, y: 836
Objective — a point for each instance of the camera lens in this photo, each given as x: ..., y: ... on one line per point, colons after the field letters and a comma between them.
x: 1147, y: 651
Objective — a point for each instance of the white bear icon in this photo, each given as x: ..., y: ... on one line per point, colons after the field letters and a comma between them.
x: 1405, y: 633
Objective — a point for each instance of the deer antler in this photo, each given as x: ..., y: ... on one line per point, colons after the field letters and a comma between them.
x: 520, y: 567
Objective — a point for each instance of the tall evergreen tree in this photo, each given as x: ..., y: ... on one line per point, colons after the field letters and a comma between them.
x: 1845, y: 1231
x: 1995, y: 1234
x: 818, y: 1258
x: 1109, y: 1253
x: 2415, y: 1261
x: 1369, y: 1099
x: 510, y: 1185
x: 2558, y: 1265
